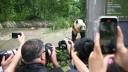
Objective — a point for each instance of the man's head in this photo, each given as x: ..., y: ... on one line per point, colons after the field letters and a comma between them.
x: 33, y: 50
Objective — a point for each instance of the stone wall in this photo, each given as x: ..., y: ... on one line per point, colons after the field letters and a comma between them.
x: 24, y: 24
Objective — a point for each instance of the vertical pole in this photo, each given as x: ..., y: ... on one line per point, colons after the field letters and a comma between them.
x: 95, y: 9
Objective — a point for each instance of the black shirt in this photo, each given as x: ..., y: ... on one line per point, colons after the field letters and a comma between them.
x: 114, y: 68
x: 36, y: 68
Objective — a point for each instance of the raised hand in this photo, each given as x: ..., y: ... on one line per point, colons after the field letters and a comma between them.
x: 97, y: 62
x: 5, y: 63
x: 121, y: 56
x: 21, y: 38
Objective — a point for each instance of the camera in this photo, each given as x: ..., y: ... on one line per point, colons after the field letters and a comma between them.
x: 107, y: 30
x: 15, y: 35
x: 62, y: 44
x: 6, y: 53
x: 48, y: 49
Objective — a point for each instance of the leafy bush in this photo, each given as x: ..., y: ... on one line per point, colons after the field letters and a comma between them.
x: 59, y: 12
x: 63, y: 57
x: 59, y: 23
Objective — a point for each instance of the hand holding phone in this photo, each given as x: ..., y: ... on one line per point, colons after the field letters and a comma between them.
x: 15, y: 35
x: 107, y: 30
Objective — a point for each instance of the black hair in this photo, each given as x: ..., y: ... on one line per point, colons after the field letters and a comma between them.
x: 84, y: 46
x: 31, y: 49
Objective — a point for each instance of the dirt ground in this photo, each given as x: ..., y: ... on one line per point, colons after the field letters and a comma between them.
x: 46, y: 35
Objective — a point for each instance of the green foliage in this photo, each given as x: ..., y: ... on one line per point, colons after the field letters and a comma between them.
x: 7, y: 10
x: 44, y: 9
x: 60, y: 22
x: 63, y: 57
x: 60, y: 12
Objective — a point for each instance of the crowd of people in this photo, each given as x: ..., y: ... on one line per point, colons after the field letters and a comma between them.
x: 86, y: 56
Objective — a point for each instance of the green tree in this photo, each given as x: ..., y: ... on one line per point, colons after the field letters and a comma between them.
x: 7, y: 11
x: 41, y: 9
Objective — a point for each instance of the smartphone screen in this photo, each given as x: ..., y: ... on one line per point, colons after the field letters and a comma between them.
x: 107, y: 30
x: 15, y: 35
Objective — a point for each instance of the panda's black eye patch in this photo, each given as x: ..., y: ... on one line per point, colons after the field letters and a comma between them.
x: 77, y: 22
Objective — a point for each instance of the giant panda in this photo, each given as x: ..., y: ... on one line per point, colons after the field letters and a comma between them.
x: 78, y: 27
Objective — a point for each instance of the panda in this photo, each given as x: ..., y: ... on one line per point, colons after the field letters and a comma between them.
x: 78, y: 27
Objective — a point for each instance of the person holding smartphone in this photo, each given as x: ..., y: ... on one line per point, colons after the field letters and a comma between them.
x: 32, y: 53
x: 99, y: 63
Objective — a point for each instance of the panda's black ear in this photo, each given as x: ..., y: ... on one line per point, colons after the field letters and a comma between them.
x: 77, y: 22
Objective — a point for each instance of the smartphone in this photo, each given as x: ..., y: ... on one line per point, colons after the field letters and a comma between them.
x: 15, y: 35
x: 108, y: 33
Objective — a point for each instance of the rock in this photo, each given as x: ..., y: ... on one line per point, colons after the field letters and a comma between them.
x: 1, y: 26
x: 9, y: 24
x: 23, y: 24
x: 29, y: 24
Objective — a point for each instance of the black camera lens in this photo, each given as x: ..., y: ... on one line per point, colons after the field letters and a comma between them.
x: 62, y: 44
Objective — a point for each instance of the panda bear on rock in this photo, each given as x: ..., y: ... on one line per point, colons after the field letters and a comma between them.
x: 78, y: 27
